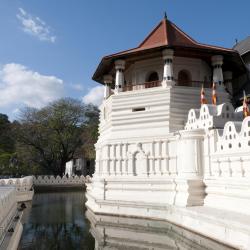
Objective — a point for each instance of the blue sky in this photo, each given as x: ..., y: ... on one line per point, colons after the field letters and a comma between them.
x: 50, y: 48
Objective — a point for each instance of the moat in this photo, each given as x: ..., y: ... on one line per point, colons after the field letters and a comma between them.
x: 59, y: 220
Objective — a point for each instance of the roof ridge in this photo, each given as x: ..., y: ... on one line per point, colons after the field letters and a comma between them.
x: 151, y: 33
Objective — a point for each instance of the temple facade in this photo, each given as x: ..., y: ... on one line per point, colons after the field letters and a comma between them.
x: 163, y: 155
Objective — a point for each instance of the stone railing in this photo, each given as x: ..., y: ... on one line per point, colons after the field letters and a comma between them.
x: 146, y: 85
x: 51, y: 181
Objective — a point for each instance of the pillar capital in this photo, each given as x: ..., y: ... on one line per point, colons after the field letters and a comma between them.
x: 120, y: 64
x: 167, y: 54
x: 107, y: 79
x: 217, y: 60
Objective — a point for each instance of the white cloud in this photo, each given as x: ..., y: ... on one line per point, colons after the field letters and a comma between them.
x: 20, y: 86
x: 94, y: 96
x: 78, y: 87
x: 35, y: 26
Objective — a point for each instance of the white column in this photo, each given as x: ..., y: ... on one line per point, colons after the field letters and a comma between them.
x: 168, y: 72
x: 107, y: 79
x: 228, y: 76
x: 190, y: 189
x: 217, y: 62
x: 106, y: 161
x: 119, y: 76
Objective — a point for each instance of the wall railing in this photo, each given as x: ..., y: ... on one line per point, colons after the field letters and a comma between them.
x: 138, y: 86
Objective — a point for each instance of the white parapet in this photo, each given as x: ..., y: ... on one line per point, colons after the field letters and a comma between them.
x: 51, y: 181
x: 161, y: 168
x: 227, y: 167
x: 212, y: 116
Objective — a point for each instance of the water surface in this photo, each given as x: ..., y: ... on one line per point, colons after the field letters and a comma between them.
x: 57, y: 221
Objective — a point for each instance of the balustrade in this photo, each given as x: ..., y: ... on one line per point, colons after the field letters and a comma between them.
x: 146, y: 85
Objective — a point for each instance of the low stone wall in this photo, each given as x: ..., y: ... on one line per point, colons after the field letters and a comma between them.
x: 49, y: 181
x: 23, y: 187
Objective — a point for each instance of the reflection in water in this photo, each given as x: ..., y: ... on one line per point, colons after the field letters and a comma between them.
x: 57, y: 221
x: 111, y: 232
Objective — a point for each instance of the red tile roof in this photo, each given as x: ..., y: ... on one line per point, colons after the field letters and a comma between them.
x: 165, y: 34
x: 168, y: 34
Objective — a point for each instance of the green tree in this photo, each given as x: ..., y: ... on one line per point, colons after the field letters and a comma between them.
x: 51, y: 136
x: 90, y: 133
x: 7, y: 145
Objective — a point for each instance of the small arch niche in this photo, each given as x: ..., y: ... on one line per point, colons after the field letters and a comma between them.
x: 152, y: 76
x: 184, y: 78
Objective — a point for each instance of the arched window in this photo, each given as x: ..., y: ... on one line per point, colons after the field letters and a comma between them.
x: 152, y: 77
x: 184, y: 78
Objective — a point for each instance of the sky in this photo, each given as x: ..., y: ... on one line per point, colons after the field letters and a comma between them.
x: 50, y: 49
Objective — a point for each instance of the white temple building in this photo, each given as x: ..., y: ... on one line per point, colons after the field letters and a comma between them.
x: 160, y: 154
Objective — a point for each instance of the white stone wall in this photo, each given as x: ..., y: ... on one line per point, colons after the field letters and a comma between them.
x: 149, y: 112
x: 138, y: 72
x: 198, y: 69
x: 214, y: 157
x: 156, y: 175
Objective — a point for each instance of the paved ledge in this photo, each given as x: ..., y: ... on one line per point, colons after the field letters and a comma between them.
x: 226, y: 227
x: 11, y: 240
x: 119, y: 232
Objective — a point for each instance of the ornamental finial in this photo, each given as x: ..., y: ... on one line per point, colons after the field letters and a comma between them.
x: 165, y: 15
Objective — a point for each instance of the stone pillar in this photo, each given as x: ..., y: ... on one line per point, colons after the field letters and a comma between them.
x: 158, y: 169
x: 228, y: 76
x: 106, y: 161
x: 119, y: 76
x: 166, y: 158
x: 126, y: 157
x: 112, y: 169
x: 107, y: 79
x: 189, y: 182
x: 119, y: 160
x: 217, y: 62
x: 168, y: 73
x: 152, y: 159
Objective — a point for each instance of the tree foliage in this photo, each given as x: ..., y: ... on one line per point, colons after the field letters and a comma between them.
x: 6, y: 139
x: 7, y: 145
x: 49, y: 137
